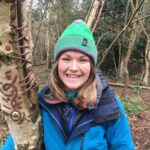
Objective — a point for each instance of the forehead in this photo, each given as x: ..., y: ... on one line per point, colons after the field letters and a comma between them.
x: 73, y: 54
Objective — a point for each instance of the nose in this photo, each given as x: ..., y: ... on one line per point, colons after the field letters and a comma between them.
x: 74, y: 65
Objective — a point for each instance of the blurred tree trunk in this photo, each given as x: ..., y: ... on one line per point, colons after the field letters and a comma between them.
x: 147, y: 57
x: 18, y: 96
x: 121, y: 67
x: 147, y: 62
x: 52, y: 32
x: 128, y: 55
x: 132, y: 42
x: 94, y: 13
x: 65, y: 8
x: 147, y: 49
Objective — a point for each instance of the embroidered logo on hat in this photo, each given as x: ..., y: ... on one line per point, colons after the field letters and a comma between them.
x: 84, y: 42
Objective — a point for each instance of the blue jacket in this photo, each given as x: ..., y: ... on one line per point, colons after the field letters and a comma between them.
x: 102, y: 128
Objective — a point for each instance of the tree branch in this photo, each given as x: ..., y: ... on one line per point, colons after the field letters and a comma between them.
x: 140, y: 18
x: 130, y: 86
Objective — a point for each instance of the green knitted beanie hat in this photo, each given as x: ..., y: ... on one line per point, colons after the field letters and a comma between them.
x: 77, y: 37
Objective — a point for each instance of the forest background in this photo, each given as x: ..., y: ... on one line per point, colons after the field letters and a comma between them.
x: 122, y: 34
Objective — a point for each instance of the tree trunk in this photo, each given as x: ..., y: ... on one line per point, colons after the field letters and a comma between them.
x: 147, y: 49
x: 52, y: 32
x: 132, y: 42
x: 17, y: 84
x: 94, y: 13
x: 147, y: 62
x: 29, y: 18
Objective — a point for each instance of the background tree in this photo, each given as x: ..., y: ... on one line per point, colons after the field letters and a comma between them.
x: 94, y: 13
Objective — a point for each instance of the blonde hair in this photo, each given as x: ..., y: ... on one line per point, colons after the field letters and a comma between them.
x: 86, y: 94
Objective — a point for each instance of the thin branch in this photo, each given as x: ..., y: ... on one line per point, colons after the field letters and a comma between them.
x: 102, y: 37
x: 140, y: 18
x: 37, y: 37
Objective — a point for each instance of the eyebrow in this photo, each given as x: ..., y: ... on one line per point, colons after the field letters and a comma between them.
x: 67, y: 55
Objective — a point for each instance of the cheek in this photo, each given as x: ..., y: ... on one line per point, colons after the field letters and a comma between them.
x: 60, y: 70
x: 87, y: 70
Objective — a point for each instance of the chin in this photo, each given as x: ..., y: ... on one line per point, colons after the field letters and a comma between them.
x: 73, y: 88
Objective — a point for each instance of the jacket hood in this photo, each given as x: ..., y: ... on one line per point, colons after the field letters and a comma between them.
x: 106, y: 108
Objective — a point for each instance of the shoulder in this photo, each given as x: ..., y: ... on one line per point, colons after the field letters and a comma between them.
x: 120, y: 105
x: 42, y: 92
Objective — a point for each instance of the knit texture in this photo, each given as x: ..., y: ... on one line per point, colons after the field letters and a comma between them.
x: 77, y: 37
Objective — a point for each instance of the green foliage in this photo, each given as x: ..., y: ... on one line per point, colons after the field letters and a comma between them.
x: 138, y: 77
x: 137, y: 89
x: 134, y: 105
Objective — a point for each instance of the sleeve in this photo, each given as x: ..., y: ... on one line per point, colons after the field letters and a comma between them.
x: 118, y: 132
x: 9, y: 144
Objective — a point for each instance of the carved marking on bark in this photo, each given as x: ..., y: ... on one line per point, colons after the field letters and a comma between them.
x: 6, y: 107
x: 10, y: 93
x: 7, y: 48
x: 6, y: 99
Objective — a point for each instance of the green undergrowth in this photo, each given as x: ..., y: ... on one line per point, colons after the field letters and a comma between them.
x: 134, y: 106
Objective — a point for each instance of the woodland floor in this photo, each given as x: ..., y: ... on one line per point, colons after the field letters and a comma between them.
x: 140, y: 124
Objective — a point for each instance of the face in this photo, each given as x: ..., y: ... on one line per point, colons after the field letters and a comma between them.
x: 73, y: 69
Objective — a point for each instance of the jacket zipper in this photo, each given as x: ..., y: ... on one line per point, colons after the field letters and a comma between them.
x: 82, y: 141
x: 71, y: 120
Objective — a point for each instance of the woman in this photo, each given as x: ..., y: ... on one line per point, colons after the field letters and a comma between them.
x: 79, y: 109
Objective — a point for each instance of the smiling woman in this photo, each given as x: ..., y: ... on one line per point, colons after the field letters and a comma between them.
x: 79, y: 109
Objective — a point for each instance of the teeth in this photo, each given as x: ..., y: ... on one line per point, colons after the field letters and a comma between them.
x: 73, y: 76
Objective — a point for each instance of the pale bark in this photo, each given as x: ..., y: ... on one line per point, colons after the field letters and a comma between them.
x: 147, y: 49
x: 121, y: 68
x: 147, y: 63
x: 94, y: 13
x: 29, y: 18
x: 18, y: 96
x: 147, y: 57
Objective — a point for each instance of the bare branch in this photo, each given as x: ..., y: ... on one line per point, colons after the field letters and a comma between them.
x: 140, y: 18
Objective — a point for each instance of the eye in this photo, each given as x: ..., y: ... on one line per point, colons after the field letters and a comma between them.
x: 84, y: 60
x: 65, y: 59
